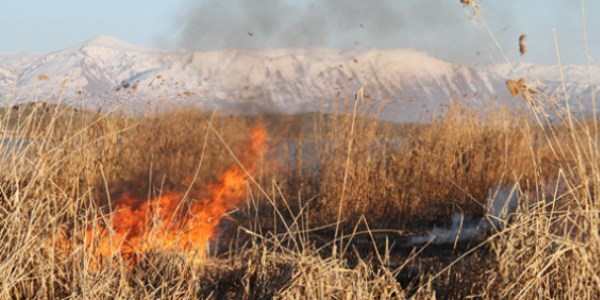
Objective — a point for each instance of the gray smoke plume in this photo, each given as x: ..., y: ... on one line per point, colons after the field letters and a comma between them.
x: 501, y: 204
x: 442, y: 27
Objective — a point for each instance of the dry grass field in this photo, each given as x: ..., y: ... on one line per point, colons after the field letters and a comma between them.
x: 190, y: 204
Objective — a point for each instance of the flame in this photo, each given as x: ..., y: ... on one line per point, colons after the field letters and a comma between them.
x: 165, y: 224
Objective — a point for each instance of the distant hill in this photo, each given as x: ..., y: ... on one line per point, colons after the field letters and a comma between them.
x: 110, y: 74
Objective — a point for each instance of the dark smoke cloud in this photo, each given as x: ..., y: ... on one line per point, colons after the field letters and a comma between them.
x: 280, y: 23
x: 443, y: 28
x: 217, y: 24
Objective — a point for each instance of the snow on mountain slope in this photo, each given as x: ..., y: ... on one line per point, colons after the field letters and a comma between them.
x: 7, y: 80
x: 16, y: 61
x: 12, y: 64
x: 108, y: 73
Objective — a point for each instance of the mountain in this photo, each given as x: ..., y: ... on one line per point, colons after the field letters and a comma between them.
x: 111, y: 74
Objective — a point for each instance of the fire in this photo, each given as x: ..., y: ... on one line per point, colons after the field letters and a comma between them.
x: 166, y: 224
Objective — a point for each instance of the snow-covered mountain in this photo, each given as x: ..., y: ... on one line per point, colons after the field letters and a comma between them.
x: 108, y: 73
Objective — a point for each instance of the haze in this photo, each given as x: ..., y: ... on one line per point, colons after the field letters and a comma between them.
x: 442, y: 28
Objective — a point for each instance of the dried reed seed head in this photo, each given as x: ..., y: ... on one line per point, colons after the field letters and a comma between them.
x: 523, y: 44
x: 513, y: 87
x: 522, y: 37
x: 473, y: 4
x: 520, y: 88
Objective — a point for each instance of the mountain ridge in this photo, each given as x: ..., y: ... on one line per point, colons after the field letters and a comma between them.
x: 107, y: 73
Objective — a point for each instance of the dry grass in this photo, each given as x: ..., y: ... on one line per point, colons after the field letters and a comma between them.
x: 71, y: 164
x: 427, y: 172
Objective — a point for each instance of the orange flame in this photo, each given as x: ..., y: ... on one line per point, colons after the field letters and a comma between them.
x: 159, y: 224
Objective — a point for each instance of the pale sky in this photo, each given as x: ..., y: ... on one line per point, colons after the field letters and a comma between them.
x: 45, y: 25
x: 440, y: 27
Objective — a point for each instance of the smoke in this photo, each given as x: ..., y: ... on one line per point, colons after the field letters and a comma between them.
x: 443, y: 28
x: 501, y: 203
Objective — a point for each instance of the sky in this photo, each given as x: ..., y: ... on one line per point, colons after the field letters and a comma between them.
x: 46, y: 25
x: 442, y: 28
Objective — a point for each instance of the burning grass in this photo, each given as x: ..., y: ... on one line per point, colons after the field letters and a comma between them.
x: 167, y: 224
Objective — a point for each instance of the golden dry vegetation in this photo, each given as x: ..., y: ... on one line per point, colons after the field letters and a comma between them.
x: 328, y: 183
